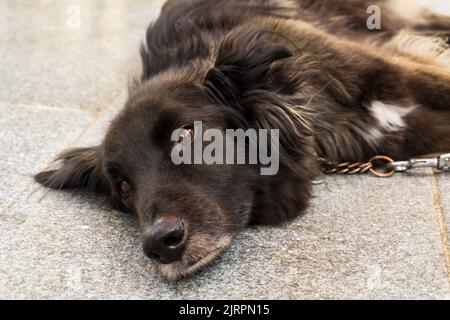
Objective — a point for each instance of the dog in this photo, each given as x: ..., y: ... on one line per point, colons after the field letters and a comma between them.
x: 312, y: 70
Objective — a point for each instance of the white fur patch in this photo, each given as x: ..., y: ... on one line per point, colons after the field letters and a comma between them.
x: 179, y: 269
x: 390, y: 119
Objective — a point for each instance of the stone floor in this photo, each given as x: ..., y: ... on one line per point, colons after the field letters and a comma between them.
x: 63, y: 79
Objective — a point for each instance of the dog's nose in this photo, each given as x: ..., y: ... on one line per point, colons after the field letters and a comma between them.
x: 165, y: 240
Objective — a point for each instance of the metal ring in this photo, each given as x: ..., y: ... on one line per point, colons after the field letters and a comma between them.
x: 384, y: 174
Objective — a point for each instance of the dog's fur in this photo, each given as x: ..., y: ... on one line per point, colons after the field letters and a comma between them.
x: 309, y: 68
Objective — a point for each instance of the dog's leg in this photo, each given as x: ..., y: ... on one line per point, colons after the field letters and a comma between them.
x: 363, y: 102
x: 409, y: 97
x: 424, y: 132
x: 427, y: 128
x: 411, y: 109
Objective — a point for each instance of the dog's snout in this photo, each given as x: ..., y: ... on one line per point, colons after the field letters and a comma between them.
x: 165, y: 240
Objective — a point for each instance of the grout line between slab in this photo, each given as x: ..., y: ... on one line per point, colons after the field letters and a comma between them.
x: 96, y: 116
x: 441, y: 221
x: 31, y: 105
x: 55, y: 108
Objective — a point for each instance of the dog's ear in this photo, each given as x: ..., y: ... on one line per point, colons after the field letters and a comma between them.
x: 80, y: 169
x: 243, y: 64
x: 250, y: 79
x: 246, y: 78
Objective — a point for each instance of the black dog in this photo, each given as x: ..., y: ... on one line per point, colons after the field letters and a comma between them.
x: 310, y: 69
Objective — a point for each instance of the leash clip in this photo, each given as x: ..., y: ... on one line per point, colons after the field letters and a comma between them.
x: 444, y: 162
x: 440, y: 163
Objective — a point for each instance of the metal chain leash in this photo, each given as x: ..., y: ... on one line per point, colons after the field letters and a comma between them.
x: 383, y: 166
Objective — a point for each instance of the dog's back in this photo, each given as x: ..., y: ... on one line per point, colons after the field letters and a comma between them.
x: 192, y: 29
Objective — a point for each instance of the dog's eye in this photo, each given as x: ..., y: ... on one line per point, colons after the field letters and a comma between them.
x: 123, y: 188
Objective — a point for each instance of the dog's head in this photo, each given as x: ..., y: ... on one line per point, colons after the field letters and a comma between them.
x: 189, y: 214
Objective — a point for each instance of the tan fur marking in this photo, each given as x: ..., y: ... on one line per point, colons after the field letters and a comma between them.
x: 407, y: 9
x: 432, y: 49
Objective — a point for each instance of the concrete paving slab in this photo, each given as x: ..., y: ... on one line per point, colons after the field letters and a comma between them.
x: 363, y: 238
x: 442, y: 203
x: 443, y: 179
x: 29, y: 137
x: 95, y: 133
x: 71, y: 54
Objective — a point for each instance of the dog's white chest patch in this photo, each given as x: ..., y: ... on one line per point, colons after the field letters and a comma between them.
x: 390, y: 117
